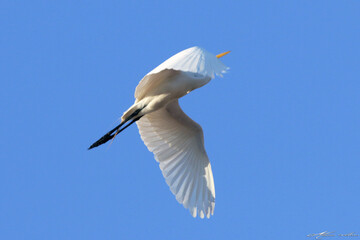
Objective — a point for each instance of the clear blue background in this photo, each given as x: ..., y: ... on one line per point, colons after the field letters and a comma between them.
x: 281, y: 128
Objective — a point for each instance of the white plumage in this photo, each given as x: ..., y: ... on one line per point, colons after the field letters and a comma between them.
x: 195, y: 60
x: 178, y: 145
x: 176, y: 141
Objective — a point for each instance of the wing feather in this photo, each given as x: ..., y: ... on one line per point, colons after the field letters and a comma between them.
x: 178, y: 145
x: 194, y: 60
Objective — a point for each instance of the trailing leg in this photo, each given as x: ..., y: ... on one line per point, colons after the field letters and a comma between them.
x: 118, y: 129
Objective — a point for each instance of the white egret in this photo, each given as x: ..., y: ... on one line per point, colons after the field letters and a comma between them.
x: 175, y: 139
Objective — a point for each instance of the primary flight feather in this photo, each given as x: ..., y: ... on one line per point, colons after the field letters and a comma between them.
x: 175, y: 139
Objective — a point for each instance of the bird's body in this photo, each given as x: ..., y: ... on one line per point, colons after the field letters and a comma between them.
x: 156, y: 90
x: 176, y: 141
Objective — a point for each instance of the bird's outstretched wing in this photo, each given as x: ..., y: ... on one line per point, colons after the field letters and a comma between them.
x: 194, y: 60
x: 178, y: 145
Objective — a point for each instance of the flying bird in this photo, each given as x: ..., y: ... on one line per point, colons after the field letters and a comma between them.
x: 176, y: 141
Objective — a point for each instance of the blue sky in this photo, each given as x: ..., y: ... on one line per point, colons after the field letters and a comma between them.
x: 281, y: 128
